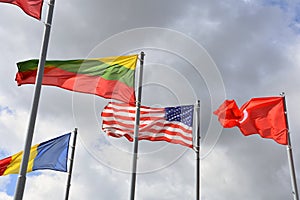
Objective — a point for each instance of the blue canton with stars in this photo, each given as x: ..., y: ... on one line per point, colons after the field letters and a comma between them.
x: 182, y: 114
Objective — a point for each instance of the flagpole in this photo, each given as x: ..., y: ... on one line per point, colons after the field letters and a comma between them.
x: 290, y: 155
x: 136, y: 128
x: 71, y: 165
x: 23, y: 169
x: 197, y: 149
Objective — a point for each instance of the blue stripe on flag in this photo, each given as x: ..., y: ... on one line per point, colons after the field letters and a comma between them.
x: 53, y: 154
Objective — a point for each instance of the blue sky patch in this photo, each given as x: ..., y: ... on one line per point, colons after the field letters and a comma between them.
x: 6, y: 109
x: 279, y: 3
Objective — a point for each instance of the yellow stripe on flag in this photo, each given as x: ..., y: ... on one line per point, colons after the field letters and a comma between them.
x: 14, y: 166
x: 126, y: 61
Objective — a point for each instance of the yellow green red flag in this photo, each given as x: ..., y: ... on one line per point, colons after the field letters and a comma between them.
x: 110, y: 77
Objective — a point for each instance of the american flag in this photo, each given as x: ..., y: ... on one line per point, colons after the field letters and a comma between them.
x: 170, y: 124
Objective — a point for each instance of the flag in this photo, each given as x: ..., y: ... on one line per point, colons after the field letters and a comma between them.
x: 52, y: 154
x: 32, y: 8
x: 170, y: 124
x: 263, y: 116
x: 110, y: 77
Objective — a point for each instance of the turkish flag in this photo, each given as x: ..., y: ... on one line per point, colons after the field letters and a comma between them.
x: 263, y: 116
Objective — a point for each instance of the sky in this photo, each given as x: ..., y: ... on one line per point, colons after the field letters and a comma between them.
x: 195, y: 50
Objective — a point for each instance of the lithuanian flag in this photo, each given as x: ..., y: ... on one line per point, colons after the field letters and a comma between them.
x: 52, y: 154
x: 110, y: 77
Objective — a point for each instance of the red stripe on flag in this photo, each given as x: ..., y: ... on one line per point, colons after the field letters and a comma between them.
x: 4, y: 164
x: 110, y: 89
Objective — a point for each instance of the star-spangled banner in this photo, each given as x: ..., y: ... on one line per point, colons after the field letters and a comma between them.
x: 170, y: 124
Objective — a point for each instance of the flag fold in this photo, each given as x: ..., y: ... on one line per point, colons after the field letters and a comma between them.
x: 264, y: 116
x: 170, y: 124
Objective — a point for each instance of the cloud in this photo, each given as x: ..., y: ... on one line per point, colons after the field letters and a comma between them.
x: 255, y: 47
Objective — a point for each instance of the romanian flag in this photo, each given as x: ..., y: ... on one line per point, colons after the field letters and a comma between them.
x: 52, y: 154
x: 110, y: 77
x: 264, y: 116
x: 30, y: 7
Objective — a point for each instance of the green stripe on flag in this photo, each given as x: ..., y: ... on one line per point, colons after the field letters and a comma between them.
x: 90, y: 67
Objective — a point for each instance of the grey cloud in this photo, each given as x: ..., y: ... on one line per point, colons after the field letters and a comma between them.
x: 255, y: 49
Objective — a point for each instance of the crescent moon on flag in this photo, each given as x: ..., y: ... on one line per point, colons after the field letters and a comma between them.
x: 245, y: 116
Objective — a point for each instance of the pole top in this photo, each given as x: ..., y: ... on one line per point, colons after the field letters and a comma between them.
x: 142, y: 56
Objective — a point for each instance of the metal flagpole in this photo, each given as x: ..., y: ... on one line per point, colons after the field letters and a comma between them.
x: 23, y: 169
x: 136, y: 128
x: 197, y: 149
x: 290, y: 155
x: 71, y: 165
